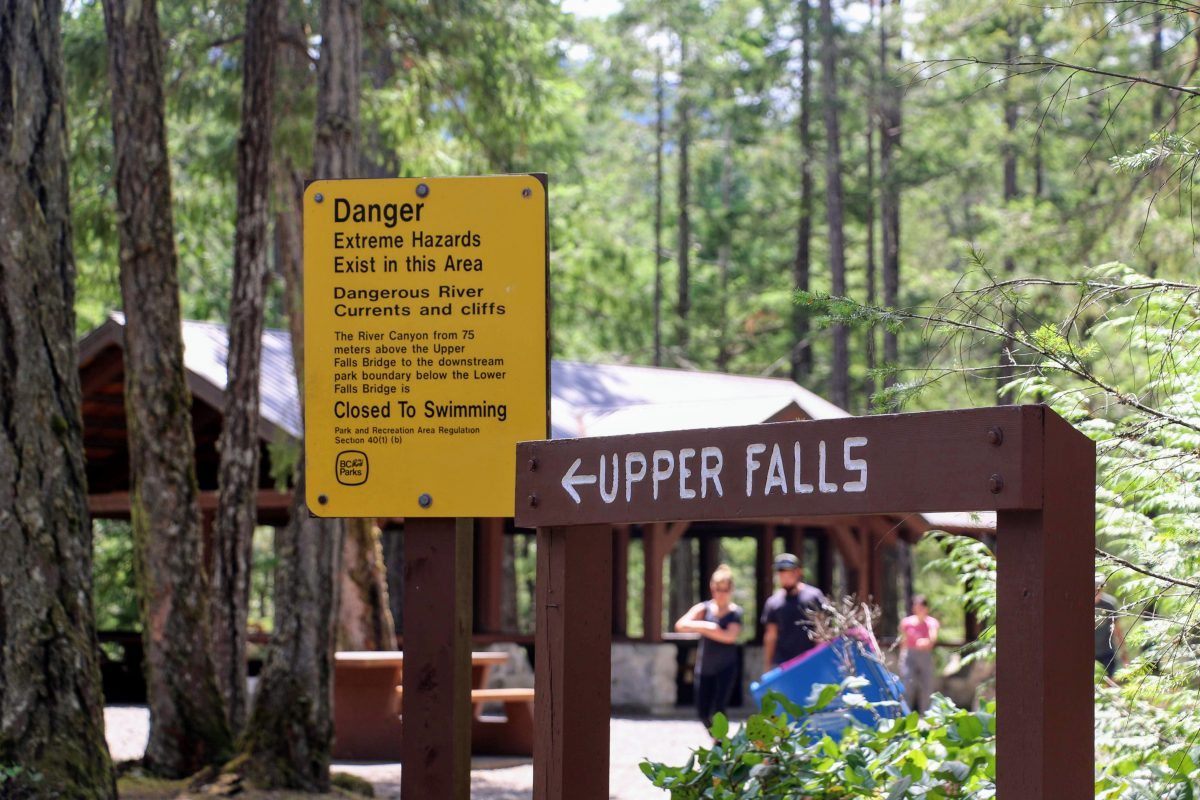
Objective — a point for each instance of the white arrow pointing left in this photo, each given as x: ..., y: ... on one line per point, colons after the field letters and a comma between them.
x: 571, y: 480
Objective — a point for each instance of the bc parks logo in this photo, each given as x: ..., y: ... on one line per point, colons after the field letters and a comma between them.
x: 351, y: 467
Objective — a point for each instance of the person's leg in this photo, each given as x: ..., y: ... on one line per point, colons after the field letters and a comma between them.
x: 909, y: 678
x: 705, y: 697
x: 924, y: 683
x: 723, y: 688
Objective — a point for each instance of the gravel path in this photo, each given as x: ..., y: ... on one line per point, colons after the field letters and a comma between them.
x: 632, y: 739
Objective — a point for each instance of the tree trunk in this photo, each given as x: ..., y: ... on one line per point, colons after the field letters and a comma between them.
x: 365, y: 618
x: 682, y: 571
x: 288, y: 739
x: 685, y: 224
x: 801, y: 271
x: 1006, y: 371
x: 659, y: 123
x: 289, y: 256
x: 889, y: 188
x: 51, y: 710
x: 869, y: 382
x: 335, y: 154
x: 188, y: 729
x: 840, y: 378
x: 725, y: 347
x: 239, y: 444
x: 874, y: 87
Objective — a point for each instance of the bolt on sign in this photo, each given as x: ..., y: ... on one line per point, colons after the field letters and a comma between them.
x: 425, y: 342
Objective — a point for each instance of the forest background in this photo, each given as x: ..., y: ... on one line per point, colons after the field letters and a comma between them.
x: 1013, y: 180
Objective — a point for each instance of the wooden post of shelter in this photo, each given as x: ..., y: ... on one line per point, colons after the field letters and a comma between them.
x: 1022, y: 461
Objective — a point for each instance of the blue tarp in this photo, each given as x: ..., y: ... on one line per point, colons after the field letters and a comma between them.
x: 831, y: 663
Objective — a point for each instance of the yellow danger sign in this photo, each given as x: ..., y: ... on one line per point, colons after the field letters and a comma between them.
x: 425, y: 341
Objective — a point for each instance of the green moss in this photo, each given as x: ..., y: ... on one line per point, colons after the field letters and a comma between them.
x: 139, y: 786
x: 352, y: 784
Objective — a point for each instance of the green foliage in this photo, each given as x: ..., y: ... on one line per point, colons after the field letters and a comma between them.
x: 948, y: 753
x: 974, y: 564
x: 114, y: 586
x: 1124, y: 367
x: 14, y: 775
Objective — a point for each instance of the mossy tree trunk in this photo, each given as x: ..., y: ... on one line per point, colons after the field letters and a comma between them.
x: 288, y: 739
x: 188, y: 729
x: 51, y: 709
x: 239, y: 445
x: 365, y: 618
x: 290, y: 733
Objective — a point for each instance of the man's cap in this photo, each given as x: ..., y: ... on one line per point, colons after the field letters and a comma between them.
x: 786, y: 561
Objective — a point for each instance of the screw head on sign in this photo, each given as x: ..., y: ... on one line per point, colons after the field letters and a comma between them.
x: 996, y: 484
x: 995, y: 436
x: 320, y: 198
x: 527, y: 193
x: 322, y: 499
x: 533, y: 465
x: 425, y: 501
x: 533, y: 501
x: 422, y: 190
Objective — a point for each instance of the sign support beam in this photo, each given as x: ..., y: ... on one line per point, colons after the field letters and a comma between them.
x: 437, y: 658
x: 1024, y: 462
x: 573, y: 663
x: 1045, y: 588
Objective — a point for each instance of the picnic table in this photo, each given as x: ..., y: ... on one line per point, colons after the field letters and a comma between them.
x: 368, y: 706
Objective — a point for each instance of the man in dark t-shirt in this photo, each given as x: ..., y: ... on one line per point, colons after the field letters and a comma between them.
x: 787, y: 632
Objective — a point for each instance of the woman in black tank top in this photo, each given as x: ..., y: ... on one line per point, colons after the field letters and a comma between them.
x: 719, y: 623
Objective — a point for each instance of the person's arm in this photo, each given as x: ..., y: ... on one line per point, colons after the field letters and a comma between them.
x: 692, y: 621
x: 728, y: 635
x: 770, y: 636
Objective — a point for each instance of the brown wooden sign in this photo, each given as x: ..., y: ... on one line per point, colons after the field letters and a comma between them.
x: 977, y: 460
x: 1025, y: 462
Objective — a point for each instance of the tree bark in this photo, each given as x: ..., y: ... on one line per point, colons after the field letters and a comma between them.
x: 802, y: 269
x: 869, y: 381
x: 840, y: 379
x: 335, y: 154
x: 889, y: 185
x: 188, y: 729
x: 365, y: 618
x: 659, y: 124
x: 239, y: 446
x: 51, y: 710
x: 290, y: 734
x: 685, y: 224
x: 288, y: 739
x: 1011, y: 113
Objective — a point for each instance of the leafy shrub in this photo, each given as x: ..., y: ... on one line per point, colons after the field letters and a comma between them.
x: 948, y: 753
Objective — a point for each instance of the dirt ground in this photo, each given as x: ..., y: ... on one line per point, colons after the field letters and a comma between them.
x: 632, y: 740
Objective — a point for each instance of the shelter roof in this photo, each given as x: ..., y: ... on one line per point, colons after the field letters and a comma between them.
x: 586, y: 400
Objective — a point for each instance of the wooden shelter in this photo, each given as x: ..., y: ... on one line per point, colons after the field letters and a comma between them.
x: 867, y: 555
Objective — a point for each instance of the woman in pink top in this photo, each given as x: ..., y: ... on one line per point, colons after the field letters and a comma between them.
x: 920, y: 634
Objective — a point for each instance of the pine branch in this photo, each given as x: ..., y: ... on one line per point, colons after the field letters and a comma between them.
x: 1144, y: 571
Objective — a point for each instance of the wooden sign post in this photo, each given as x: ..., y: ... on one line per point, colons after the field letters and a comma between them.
x: 426, y: 344
x: 1023, y: 462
